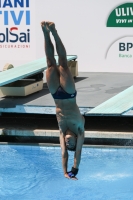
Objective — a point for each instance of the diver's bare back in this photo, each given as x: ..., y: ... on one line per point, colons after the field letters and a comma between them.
x: 68, y: 116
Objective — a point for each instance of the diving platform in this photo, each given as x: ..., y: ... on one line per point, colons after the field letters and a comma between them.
x: 93, y: 90
x: 117, y: 105
x: 28, y: 78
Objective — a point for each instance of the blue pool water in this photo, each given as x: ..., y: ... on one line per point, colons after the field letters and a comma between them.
x: 35, y: 173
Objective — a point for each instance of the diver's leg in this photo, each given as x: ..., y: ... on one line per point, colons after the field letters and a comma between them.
x: 66, y: 79
x: 52, y: 72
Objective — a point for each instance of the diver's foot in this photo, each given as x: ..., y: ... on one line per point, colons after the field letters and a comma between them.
x: 51, y: 26
x: 45, y: 27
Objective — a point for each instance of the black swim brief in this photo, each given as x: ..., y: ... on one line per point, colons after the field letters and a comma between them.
x: 62, y: 94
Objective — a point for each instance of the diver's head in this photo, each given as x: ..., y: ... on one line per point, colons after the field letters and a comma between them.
x: 70, y: 140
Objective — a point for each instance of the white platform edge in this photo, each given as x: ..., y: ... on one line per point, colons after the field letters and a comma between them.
x: 26, y: 109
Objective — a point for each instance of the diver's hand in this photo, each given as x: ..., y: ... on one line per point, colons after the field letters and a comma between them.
x: 67, y: 176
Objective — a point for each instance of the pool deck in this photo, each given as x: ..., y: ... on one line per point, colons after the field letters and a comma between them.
x: 93, y: 89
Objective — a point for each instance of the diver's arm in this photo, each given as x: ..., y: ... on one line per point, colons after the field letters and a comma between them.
x: 77, y: 155
x: 64, y: 153
x: 64, y: 162
x: 80, y: 141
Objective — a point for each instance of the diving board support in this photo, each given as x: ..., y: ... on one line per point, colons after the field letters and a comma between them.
x: 73, y: 66
x: 116, y: 105
x: 21, y: 88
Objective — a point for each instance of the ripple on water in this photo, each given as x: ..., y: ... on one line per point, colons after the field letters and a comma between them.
x: 20, y: 172
x: 103, y: 174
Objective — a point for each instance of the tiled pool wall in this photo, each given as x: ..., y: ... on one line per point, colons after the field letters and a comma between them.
x: 52, y: 136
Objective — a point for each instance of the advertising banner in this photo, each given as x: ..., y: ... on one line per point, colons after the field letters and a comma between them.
x: 17, y: 34
x: 100, y: 33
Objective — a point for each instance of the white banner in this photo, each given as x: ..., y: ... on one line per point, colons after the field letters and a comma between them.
x: 17, y: 32
x: 100, y: 33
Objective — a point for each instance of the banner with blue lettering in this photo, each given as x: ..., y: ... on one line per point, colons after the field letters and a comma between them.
x: 100, y: 33
x: 17, y: 32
